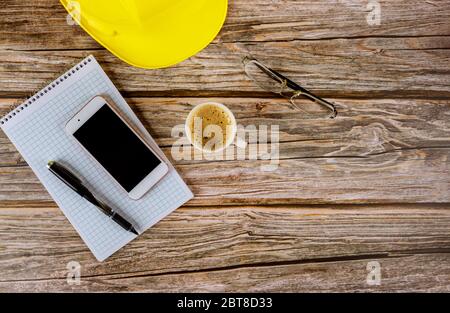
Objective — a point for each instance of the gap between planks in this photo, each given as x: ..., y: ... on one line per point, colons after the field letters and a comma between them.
x: 299, y: 40
x: 5, y: 205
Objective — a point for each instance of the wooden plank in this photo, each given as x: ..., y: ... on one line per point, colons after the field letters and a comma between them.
x: 382, y: 150
x: 42, y: 24
x: 375, y: 151
x: 417, y: 273
x: 214, y: 231
x: 367, y: 67
x: 210, y: 246
x: 397, y: 177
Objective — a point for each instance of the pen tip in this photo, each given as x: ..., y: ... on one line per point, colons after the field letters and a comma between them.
x: 134, y: 231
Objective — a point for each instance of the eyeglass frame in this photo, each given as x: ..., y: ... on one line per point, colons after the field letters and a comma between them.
x: 286, y: 82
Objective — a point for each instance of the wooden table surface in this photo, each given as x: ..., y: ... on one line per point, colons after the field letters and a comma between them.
x: 371, y: 185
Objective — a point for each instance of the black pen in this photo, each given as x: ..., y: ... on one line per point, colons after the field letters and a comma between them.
x: 76, y: 185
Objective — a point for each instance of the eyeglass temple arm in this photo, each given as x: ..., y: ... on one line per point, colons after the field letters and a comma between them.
x: 289, y: 83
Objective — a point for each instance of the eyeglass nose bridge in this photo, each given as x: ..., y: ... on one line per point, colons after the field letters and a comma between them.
x: 283, y: 87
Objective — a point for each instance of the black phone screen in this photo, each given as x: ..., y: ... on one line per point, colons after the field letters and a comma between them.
x: 115, y: 146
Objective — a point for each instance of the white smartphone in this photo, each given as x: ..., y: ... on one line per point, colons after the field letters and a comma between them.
x: 117, y: 147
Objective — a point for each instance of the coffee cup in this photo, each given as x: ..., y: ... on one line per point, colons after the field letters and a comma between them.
x: 211, y: 127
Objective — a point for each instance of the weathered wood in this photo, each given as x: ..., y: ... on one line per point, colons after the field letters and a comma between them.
x: 362, y: 128
x: 375, y: 151
x: 211, y: 247
x: 417, y: 273
x: 351, y: 63
x: 367, y: 67
x: 383, y: 150
x: 42, y: 24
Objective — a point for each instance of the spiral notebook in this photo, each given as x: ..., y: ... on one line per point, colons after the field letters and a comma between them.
x: 36, y: 128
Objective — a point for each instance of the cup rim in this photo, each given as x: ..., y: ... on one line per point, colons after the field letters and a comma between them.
x: 233, y: 123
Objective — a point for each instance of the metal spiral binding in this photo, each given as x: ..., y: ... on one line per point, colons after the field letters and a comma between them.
x: 19, y: 106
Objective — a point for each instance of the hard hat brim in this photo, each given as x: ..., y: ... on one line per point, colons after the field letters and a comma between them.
x: 152, y: 34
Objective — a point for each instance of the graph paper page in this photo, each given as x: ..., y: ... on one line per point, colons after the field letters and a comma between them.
x: 37, y: 131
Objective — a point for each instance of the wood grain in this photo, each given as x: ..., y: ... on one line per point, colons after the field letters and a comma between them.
x: 375, y: 151
x: 258, y: 20
x: 372, y: 185
x: 326, y: 46
x: 421, y: 273
x: 368, y: 67
x: 236, y: 248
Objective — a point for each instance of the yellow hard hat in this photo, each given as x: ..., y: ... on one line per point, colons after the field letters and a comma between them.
x: 150, y: 33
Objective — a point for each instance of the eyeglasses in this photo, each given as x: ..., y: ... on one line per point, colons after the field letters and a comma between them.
x: 272, y: 81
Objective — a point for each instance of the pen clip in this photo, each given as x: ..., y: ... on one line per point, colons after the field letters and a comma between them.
x: 66, y: 176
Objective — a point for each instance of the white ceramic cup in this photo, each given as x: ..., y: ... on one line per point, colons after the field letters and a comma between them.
x: 231, y: 136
